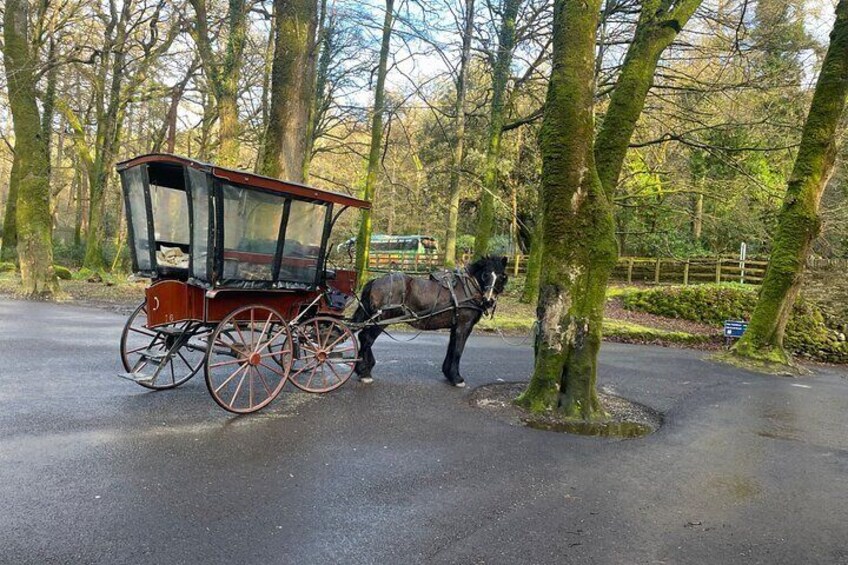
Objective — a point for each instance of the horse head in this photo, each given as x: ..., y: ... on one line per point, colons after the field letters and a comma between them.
x: 490, y: 274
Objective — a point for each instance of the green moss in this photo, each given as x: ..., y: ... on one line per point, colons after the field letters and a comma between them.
x: 62, y: 272
x: 758, y: 364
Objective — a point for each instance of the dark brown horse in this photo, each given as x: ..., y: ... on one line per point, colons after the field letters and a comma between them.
x: 454, y: 300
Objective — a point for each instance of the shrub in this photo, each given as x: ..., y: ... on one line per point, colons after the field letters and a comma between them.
x: 6, y: 267
x: 807, y: 334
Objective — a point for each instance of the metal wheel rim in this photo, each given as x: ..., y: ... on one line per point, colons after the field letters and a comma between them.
x: 179, y: 368
x: 312, y: 372
x: 242, y: 363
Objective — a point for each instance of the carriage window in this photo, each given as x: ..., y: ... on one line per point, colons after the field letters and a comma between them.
x: 251, y: 230
x: 200, y: 209
x: 302, y: 247
x: 171, y: 226
x: 133, y: 182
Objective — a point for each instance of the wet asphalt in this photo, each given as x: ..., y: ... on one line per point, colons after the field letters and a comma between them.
x: 94, y: 469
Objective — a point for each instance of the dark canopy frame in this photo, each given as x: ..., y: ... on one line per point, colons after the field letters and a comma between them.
x: 204, y: 187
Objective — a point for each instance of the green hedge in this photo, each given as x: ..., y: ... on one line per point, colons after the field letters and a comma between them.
x: 806, y: 333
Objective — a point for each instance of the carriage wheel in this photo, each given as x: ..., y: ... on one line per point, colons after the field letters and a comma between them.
x: 249, y: 359
x: 327, y: 352
x: 171, y: 352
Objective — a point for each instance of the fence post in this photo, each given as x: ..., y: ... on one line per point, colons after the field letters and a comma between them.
x: 686, y: 273
x: 718, y: 270
x: 657, y: 271
x: 516, y: 261
x: 630, y: 270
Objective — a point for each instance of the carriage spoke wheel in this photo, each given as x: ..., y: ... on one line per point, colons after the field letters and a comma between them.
x: 327, y: 352
x: 173, y: 352
x: 249, y: 359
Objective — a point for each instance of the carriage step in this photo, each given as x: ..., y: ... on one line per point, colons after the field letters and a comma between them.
x: 153, y: 355
x: 138, y: 378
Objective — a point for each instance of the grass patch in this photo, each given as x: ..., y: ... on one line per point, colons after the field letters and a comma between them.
x: 627, y: 331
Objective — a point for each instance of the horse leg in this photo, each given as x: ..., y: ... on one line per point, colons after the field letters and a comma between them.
x: 448, y: 362
x: 366, y: 362
x: 459, y: 335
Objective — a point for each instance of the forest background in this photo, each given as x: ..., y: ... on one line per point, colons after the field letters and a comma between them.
x: 706, y: 169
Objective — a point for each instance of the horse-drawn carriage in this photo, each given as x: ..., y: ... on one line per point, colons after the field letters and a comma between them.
x: 239, y: 286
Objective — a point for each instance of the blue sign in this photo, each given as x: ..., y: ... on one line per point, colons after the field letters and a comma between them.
x: 735, y: 328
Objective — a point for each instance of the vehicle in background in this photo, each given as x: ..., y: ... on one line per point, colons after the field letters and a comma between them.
x: 404, y: 244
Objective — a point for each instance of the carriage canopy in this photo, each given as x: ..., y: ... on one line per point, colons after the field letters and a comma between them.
x: 222, y: 228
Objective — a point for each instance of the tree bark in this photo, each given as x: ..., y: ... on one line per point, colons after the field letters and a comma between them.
x: 497, y: 114
x: 659, y: 23
x: 799, y: 222
x: 32, y: 161
x: 363, y: 239
x: 579, y: 247
x: 292, y: 89
x: 458, y: 155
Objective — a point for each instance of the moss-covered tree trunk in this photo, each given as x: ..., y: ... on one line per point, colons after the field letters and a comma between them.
x: 658, y: 25
x: 292, y: 89
x: 799, y: 221
x: 534, y: 264
x: 223, y: 72
x: 34, y: 222
x: 9, y: 249
x: 324, y: 52
x: 363, y: 239
x: 497, y: 115
x: 458, y: 155
x: 579, y: 247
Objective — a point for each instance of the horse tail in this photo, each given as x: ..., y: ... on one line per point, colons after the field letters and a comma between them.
x: 364, y: 311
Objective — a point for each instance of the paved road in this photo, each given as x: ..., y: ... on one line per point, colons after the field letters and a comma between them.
x: 747, y: 469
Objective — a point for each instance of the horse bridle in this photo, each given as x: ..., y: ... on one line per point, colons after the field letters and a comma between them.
x: 488, y: 294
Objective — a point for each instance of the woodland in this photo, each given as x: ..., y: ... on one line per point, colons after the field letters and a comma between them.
x: 573, y: 132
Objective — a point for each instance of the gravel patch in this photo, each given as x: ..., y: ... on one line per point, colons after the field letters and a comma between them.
x: 626, y: 419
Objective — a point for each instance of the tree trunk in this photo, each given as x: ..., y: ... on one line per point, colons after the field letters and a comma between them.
x: 363, y: 239
x: 497, y: 114
x: 324, y: 45
x: 658, y: 25
x: 534, y: 264
x: 9, y: 251
x: 292, y: 88
x: 223, y: 73
x: 266, y: 94
x: 458, y: 155
x: 799, y: 222
x: 34, y: 222
x: 697, y: 217
x: 228, y: 128
x: 579, y: 247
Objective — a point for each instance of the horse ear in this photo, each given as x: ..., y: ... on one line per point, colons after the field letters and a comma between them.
x: 504, y: 261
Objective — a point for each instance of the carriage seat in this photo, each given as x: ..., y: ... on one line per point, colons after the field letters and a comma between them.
x: 172, y: 257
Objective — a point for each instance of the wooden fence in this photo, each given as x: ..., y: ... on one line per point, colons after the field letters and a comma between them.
x: 630, y: 270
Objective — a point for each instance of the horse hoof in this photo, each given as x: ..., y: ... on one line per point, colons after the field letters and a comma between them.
x: 366, y: 380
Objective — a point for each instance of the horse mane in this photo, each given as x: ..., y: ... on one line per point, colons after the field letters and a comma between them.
x: 477, y: 266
